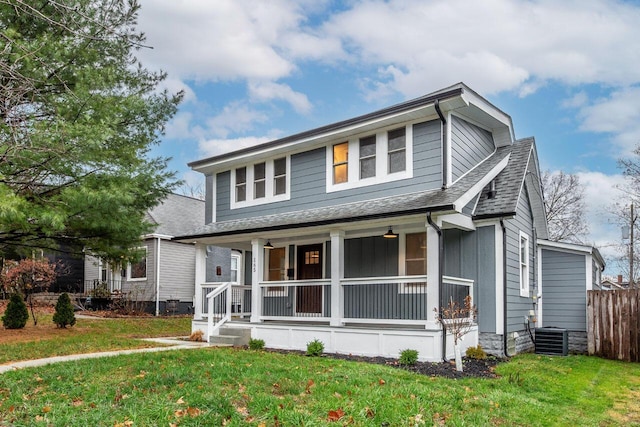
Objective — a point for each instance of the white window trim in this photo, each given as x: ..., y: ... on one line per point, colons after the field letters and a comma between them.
x: 146, y: 272
x: 382, y: 169
x: 269, y: 185
x: 239, y: 278
x: 524, y: 281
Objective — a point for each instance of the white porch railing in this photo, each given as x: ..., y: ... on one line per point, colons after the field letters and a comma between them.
x: 400, y: 300
x: 456, y: 289
x: 218, y: 306
x: 296, y: 300
x: 392, y: 300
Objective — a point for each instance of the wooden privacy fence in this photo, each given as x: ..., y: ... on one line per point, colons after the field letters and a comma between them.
x: 613, y: 324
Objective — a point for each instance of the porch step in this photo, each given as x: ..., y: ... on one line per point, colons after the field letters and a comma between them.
x: 232, y: 336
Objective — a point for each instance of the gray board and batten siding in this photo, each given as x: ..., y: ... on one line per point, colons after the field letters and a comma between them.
x: 518, y: 306
x: 470, y: 145
x: 564, y: 290
x: 471, y: 255
x: 308, y: 180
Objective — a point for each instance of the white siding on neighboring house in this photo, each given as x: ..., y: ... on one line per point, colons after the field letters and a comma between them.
x: 143, y: 289
x: 177, y: 271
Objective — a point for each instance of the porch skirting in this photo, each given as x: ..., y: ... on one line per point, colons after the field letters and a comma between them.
x: 384, y: 341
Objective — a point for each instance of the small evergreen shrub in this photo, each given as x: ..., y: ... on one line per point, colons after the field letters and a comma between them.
x: 256, y: 344
x: 16, y: 314
x: 315, y: 348
x: 408, y: 357
x: 64, y: 315
x: 476, y: 353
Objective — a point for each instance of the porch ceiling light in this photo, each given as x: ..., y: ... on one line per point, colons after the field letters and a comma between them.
x: 268, y: 245
x: 390, y: 234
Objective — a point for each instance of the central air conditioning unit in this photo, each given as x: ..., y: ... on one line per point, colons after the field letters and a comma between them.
x: 552, y: 341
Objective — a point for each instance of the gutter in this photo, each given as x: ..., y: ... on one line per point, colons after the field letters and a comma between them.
x: 440, y: 274
x: 445, y: 144
x: 504, y: 283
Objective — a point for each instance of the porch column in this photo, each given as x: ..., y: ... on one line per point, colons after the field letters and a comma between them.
x: 433, y: 274
x: 200, y: 278
x: 337, y: 274
x: 257, y: 272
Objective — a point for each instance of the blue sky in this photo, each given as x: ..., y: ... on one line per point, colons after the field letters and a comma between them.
x: 567, y: 72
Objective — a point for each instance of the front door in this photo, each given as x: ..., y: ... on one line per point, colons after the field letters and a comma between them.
x: 309, y: 298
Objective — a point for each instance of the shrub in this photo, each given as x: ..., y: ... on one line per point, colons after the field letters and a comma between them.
x: 256, y: 344
x: 16, y: 314
x: 408, y: 357
x: 476, y: 353
x: 315, y: 348
x: 196, y: 336
x: 64, y: 312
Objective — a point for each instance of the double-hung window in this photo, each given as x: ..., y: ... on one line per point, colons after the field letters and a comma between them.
x: 415, y: 262
x: 259, y: 180
x: 340, y: 163
x: 280, y: 176
x: 397, y: 151
x: 524, y: 264
x: 241, y: 184
x: 368, y: 157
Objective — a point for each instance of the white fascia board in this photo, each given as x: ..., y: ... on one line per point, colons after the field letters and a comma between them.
x: 478, y: 186
x: 458, y: 220
x: 566, y: 247
x: 157, y: 236
x: 472, y: 98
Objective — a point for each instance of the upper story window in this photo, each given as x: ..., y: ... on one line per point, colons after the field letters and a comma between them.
x: 241, y: 184
x: 340, y: 163
x: 279, y: 176
x: 380, y: 157
x: 259, y: 180
x: 368, y: 157
x: 397, y: 151
x: 268, y: 181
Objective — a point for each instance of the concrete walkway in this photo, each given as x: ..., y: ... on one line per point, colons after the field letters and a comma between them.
x: 172, y: 343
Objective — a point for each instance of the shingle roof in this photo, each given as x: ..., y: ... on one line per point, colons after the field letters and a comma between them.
x: 404, y: 204
x: 508, y: 183
x: 177, y: 215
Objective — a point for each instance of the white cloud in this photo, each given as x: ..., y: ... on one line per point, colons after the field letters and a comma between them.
x: 214, y: 147
x: 227, y: 39
x: 266, y: 91
x: 180, y: 126
x: 618, y: 115
x: 578, y: 100
x: 602, y: 192
x: 493, y: 45
x: 234, y: 118
x: 175, y: 85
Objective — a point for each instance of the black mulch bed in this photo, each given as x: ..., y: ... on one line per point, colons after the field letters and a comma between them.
x: 472, y: 368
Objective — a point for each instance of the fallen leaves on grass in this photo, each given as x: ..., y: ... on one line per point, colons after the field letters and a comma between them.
x: 335, y: 415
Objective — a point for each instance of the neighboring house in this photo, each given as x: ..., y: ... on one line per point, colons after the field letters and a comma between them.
x: 354, y: 232
x: 163, y: 279
x: 611, y: 284
x: 567, y: 271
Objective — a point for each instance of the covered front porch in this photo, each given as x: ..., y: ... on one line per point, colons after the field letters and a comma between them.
x: 365, y: 287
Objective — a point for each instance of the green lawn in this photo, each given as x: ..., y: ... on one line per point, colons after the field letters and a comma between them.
x: 87, y: 336
x: 224, y: 386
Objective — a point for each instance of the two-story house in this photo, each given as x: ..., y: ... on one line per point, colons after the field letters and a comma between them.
x: 354, y: 232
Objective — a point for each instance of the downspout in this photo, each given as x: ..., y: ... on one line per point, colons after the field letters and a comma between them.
x: 158, y: 278
x: 504, y: 284
x: 445, y: 142
x: 440, y: 274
